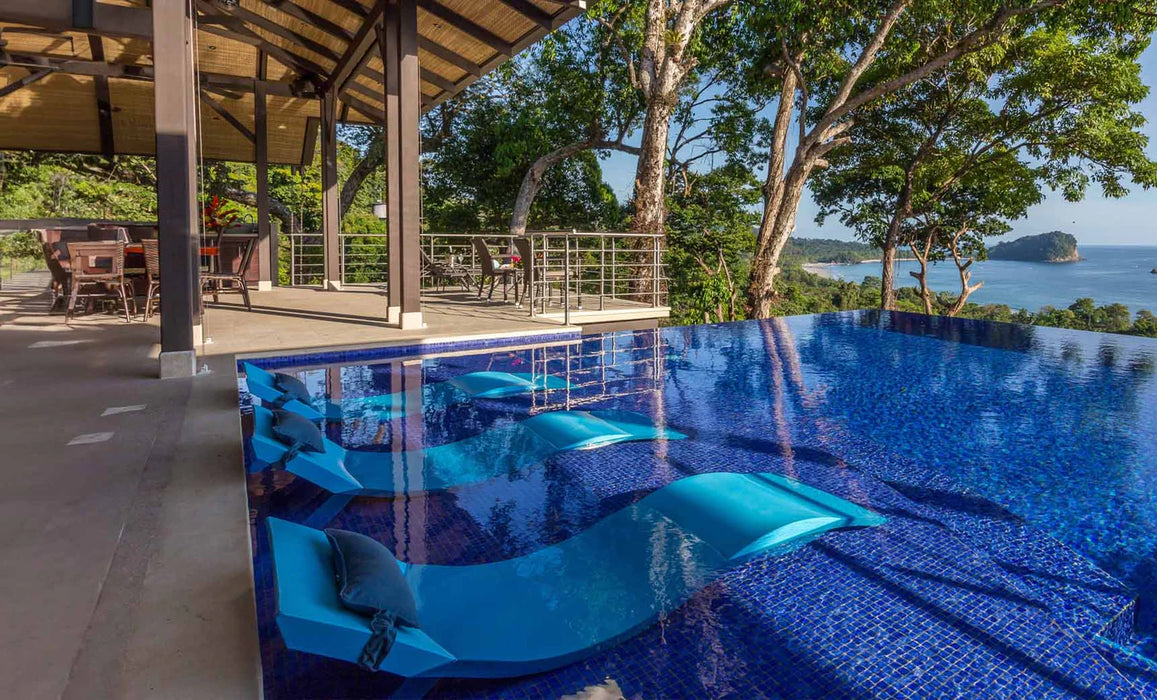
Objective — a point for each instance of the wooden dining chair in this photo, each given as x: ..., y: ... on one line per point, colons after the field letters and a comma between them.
x: 99, y: 268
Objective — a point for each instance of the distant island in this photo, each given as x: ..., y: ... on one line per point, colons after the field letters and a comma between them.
x: 1051, y: 247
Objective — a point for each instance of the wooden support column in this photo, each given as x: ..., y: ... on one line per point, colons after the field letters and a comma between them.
x: 401, y: 54
x: 175, y: 102
x: 266, y: 245
x: 330, y: 204
x: 387, y: 40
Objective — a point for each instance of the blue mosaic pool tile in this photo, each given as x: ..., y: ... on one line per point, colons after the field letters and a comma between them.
x: 955, y: 596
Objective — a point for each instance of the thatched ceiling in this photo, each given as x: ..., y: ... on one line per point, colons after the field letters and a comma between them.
x: 90, y: 90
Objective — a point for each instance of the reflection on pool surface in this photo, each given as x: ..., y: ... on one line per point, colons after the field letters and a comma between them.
x: 974, y: 440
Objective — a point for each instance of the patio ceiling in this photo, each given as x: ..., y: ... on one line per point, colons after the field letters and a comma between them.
x: 76, y: 75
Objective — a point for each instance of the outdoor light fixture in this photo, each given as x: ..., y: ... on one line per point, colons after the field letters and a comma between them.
x: 381, y: 211
x: 227, y: 4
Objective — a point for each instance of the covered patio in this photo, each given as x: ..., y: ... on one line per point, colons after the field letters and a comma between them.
x: 129, y: 546
x: 268, y: 83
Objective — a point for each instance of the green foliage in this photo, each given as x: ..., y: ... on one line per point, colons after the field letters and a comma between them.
x: 827, y: 250
x: 709, y: 242
x: 950, y: 161
x: 22, y: 244
x: 488, y: 138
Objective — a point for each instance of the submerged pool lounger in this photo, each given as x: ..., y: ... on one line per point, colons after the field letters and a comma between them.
x: 475, y: 385
x: 501, y: 450
x: 568, y: 601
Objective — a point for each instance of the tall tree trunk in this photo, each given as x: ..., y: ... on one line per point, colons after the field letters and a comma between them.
x: 651, y: 171
x: 775, y: 228
x: 888, y: 250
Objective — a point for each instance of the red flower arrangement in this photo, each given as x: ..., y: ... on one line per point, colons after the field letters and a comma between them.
x: 219, y: 214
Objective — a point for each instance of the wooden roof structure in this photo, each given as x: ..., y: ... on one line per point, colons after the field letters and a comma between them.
x: 76, y: 75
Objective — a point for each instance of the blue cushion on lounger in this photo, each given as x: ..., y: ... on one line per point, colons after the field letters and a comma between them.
x: 297, y: 431
x: 292, y: 387
x: 370, y: 582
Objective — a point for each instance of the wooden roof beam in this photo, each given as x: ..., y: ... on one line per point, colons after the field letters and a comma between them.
x: 309, y: 17
x: 358, y: 49
x: 278, y: 30
x: 227, y: 116
x: 76, y: 66
x: 103, y: 99
x: 231, y: 27
x: 532, y: 12
x: 468, y: 27
x: 441, y: 82
x: 24, y: 82
x: 450, y: 56
x: 354, y: 7
x: 107, y: 20
x: 370, y: 111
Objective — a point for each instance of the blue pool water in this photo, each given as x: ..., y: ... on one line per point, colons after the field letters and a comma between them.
x: 1016, y: 467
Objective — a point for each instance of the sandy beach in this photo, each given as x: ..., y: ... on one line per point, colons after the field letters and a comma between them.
x: 821, y: 269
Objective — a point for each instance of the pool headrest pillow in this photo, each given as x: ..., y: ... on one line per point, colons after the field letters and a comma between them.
x: 297, y: 431
x: 370, y: 582
x: 292, y: 387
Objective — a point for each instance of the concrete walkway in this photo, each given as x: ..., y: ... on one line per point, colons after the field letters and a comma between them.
x: 124, y: 521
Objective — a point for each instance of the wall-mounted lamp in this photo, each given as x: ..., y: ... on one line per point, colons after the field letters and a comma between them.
x: 381, y: 211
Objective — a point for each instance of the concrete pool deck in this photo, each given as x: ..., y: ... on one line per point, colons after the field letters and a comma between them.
x: 126, y: 549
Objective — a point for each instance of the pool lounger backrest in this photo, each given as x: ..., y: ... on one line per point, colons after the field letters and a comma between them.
x: 326, y: 470
x: 310, y: 614
x: 261, y: 384
x: 577, y: 430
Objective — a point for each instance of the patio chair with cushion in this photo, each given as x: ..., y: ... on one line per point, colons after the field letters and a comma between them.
x: 440, y: 274
x: 490, y: 268
x: 533, y: 273
x: 56, y: 258
x: 97, y: 269
x: 153, y: 274
x: 226, y: 280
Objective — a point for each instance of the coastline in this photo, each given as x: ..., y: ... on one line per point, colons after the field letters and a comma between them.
x: 1106, y: 274
x: 823, y: 269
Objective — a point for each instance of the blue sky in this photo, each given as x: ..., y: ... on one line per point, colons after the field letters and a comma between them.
x: 1094, y: 221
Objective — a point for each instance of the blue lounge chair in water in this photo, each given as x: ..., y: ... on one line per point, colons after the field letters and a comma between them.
x: 475, y: 385
x: 568, y: 601
x: 502, y: 450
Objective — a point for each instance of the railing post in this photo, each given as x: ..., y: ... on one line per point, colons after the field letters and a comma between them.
x: 579, y: 281
x: 602, y: 272
x: 655, y: 272
x: 566, y: 284
x: 528, y: 270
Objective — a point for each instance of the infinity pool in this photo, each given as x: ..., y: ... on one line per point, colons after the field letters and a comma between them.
x: 1014, y: 470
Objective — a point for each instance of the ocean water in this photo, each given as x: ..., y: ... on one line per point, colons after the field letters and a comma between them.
x: 1107, y: 274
